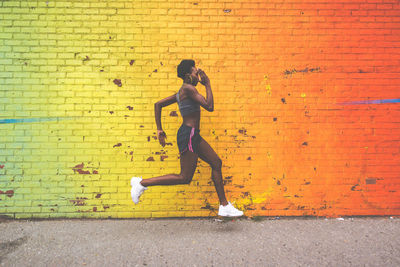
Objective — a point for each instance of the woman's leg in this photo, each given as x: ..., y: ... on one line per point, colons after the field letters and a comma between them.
x: 207, y: 154
x: 188, y: 166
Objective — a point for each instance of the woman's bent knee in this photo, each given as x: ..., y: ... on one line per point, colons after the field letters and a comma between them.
x: 185, y: 179
x: 217, y: 165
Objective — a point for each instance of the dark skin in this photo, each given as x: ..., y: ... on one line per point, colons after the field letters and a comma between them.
x: 189, y: 159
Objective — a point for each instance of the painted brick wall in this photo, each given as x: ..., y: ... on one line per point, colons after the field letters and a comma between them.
x: 306, y: 120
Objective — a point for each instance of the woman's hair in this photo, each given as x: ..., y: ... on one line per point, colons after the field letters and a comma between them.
x: 185, y: 67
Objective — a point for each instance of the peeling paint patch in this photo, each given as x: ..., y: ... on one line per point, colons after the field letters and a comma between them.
x: 79, y: 168
x: 129, y: 107
x: 354, y: 188
x: 150, y: 159
x: 173, y: 114
x: 9, y: 193
x: 225, y: 182
x: 163, y: 157
x: 79, y: 201
x: 370, y: 181
x: 98, y: 196
x: 84, y: 211
x: 306, y: 70
x: 283, y: 100
x: 248, y: 207
x: 208, y: 207
x: 245, y: 194
x: 118, y: 82
x: 132, y: 60
x: 117, y: 145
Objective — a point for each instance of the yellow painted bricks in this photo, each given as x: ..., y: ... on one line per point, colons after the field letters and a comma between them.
x: 305, y: 95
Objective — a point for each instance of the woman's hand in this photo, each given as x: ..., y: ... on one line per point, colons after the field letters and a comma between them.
x: 161, y: 137
x: 204, y: 80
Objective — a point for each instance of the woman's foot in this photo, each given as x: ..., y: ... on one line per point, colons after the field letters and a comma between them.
x: 137, y: 189
x: 229, y: 211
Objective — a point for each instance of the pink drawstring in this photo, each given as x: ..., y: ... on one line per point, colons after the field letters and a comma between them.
x: 190, y: 139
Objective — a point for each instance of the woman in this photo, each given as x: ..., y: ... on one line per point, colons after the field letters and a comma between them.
x: 191, y: 144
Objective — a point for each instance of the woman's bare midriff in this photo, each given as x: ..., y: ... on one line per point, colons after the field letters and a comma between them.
x: 192, y: 120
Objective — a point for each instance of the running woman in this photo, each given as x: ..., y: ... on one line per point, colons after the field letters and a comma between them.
x: 191, y: 144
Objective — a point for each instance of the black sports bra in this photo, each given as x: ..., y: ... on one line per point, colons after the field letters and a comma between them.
x: 187, y: 105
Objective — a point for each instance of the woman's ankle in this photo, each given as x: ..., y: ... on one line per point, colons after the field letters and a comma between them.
x: 224, y: 203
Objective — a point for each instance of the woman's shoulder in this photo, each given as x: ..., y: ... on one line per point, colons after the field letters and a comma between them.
x: 187, y: 88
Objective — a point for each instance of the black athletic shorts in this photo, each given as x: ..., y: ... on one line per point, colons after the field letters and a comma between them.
x: 188, y: 138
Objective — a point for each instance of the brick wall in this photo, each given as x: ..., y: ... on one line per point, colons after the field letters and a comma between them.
x: 306, y: 120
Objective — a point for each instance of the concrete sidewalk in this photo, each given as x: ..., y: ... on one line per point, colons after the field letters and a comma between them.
x: 202, y: 242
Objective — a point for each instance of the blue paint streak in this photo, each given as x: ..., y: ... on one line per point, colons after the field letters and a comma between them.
x: 30, y: 120
x: 379, y: 101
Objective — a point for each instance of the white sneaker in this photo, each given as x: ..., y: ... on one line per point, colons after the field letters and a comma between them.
x: 229, y: 211
x: 137, y: 189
